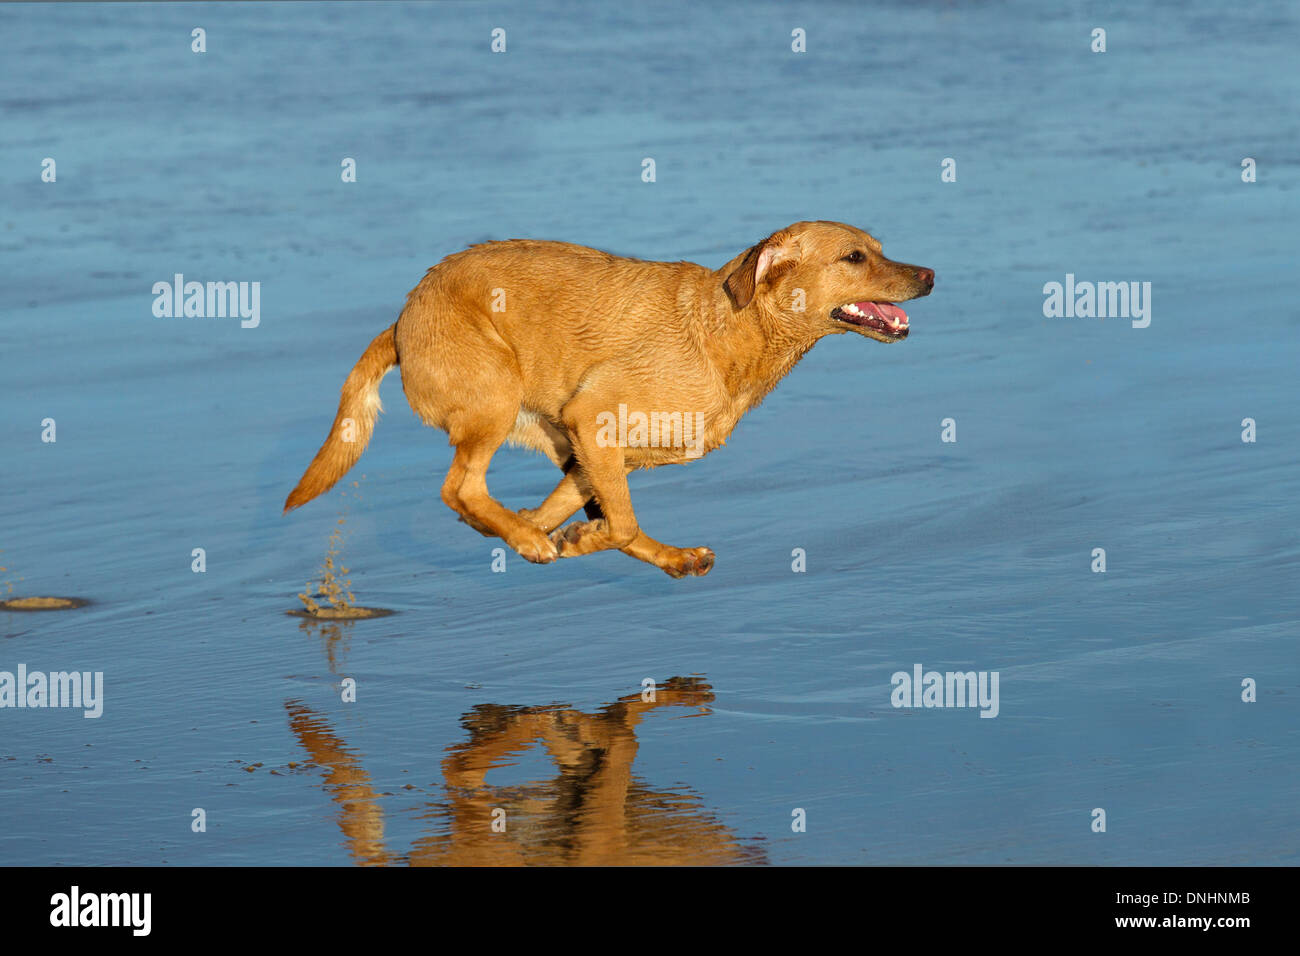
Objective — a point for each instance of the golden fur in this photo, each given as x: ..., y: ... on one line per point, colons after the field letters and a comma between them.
x: 541, y: 344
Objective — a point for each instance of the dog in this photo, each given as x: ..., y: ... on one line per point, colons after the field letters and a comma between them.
x: 606, y: 364
x: 622, y: 821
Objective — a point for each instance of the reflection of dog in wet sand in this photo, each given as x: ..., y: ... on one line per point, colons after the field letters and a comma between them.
x: 605, y: 364
x: 594, y: 812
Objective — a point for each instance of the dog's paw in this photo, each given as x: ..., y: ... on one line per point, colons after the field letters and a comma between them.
x: 570, y: 539
x: 696, y: 562
x: 535, y: 547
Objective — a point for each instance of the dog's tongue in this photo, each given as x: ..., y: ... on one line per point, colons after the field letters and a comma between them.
x: 884, y: 310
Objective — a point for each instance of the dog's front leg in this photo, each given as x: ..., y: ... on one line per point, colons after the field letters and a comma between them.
x: 572, y: 493
x: 602, y: 466
x: 604, y: 469
x: 676, y: 562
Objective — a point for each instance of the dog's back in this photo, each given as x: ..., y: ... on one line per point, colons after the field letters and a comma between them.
x: 560, y: 310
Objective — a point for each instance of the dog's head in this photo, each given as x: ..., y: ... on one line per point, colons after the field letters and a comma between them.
x: 830, y: 276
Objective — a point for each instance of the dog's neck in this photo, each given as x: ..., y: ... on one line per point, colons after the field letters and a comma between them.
x: 754, y: 348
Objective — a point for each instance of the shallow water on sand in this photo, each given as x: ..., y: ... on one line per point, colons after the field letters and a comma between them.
x: 522, y: 690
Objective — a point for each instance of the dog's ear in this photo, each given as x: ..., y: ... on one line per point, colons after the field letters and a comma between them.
x: 771, y: 257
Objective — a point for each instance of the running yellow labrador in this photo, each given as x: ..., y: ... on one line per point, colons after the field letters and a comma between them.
x: 606, y: 364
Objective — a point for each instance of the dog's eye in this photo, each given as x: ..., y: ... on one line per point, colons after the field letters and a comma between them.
x: 854, y: 256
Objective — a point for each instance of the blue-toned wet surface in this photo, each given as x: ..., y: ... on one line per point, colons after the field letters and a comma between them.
x: 521, y: 690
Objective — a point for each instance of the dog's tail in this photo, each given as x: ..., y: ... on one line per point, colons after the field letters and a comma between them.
x: 350, y: 433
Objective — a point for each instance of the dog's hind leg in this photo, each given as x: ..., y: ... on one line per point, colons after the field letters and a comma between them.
x: 465, y: 492
x: 477, y: 434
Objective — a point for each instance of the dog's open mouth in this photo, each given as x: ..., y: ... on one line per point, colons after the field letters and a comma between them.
x: 883, y: 317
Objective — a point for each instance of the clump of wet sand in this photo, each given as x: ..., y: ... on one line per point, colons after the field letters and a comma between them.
x: 35, y: 603
x: 351, y: 612
x: 331, y: 597
x: 41, y: 603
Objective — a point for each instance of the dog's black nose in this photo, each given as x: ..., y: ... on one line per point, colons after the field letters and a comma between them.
x: 926, y: 276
